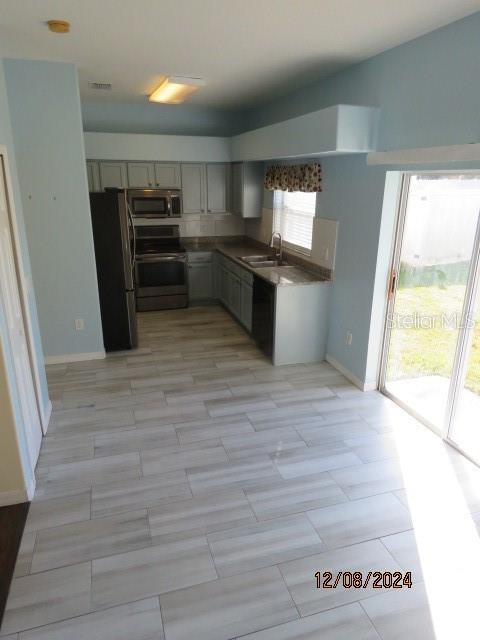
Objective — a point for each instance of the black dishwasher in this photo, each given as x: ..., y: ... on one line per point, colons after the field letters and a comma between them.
x: 263, y: 314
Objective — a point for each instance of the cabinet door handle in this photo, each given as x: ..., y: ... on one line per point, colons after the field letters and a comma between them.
x: 209, y: 211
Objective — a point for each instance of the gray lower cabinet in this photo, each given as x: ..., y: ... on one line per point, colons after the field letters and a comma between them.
x: 235, y: 295
x: 200, y: 281
x: 225, y: 286
x: 200, y: 276
x: 113, y: 174
x: 246, y: 305
x: 216, y: 273
x: 235, y: 289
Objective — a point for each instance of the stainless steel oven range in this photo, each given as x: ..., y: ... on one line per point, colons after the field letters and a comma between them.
x: 160, y: 268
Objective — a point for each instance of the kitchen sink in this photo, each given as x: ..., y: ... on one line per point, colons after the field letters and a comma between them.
x: 258, y: 262
x: 261, y: 258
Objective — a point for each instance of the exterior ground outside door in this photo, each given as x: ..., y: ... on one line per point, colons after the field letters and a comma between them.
x: 432, y: 335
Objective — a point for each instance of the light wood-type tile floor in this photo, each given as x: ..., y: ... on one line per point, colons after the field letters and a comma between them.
x: 189, y: 490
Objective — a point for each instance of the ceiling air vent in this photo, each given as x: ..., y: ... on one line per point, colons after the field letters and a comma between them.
x: 102, y: 86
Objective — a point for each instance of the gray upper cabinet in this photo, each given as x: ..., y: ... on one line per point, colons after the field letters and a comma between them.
x: 247, y: 189
x: 193, y: 188
x: 93, y: 175
x: 167, y: 176
x: 113, y: 174
x: 141, y: 174
x: 217, y: 188
x: 204, y: 187
x: 237, y: 188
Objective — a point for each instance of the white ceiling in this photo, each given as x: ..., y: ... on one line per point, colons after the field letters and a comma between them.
x: 246, y: 50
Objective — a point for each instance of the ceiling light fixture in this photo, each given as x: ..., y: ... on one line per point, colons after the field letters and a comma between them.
x: 59, y: 26
x: 175, y: 89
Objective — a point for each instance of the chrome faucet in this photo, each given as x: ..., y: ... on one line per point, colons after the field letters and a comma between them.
x: 279, y: 253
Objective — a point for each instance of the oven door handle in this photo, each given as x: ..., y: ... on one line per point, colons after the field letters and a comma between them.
x: 141, y: 259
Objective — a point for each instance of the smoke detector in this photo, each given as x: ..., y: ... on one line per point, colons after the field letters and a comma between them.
x: 58, y: 26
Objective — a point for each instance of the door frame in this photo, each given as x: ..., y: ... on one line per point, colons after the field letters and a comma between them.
x: 23, y: 286
x: 464, y: 342
x: 459, y: 362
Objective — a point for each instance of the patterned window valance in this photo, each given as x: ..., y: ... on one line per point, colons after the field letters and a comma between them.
x: 297, y: 177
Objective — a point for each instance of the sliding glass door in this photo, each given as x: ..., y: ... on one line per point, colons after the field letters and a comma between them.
x: 464, y: 427
x: 431, y: 362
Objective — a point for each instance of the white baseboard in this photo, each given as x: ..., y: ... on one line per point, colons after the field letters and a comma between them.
x: 46, y: 415
x: 17, y: 496
x: 364, y: 386
x: 30, y: 492
x: 74, y: 357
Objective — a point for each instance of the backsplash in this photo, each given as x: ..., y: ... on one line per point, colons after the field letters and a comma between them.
x: 324, y: 239
x: 197, y: 225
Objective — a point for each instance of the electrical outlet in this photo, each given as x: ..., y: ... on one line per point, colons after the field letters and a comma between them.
x: 349, y: 339
x: 79, y: 324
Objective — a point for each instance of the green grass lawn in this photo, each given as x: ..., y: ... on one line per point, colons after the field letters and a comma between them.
x: 419, y: 351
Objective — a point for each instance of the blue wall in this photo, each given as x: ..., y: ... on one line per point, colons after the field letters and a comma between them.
x: 352, y: 194
x: 6, y: 139
x: 48, y: 138
x: 427, y: 89
x: 429, y: 95
x: 146, y: 117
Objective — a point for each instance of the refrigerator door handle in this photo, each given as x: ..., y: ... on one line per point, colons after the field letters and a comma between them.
x: 130, y: 217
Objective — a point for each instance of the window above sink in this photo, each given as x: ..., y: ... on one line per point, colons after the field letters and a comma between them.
x: 293, y: 214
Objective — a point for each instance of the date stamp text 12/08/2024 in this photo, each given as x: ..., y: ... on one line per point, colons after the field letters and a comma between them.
x: 359, y: 580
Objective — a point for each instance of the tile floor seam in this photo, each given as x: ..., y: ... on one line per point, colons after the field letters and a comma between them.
x: 82, y: 615
x: 371, y: 621
x: 109, y: 555
x: 289, y: 592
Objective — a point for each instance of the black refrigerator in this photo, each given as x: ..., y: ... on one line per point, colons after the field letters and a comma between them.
x: 113, y: 237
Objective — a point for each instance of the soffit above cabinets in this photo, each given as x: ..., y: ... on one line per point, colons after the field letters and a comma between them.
x: 341, y: 129
x: 156, y: 148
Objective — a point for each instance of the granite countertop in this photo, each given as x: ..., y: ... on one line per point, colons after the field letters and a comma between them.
x: 286, y: 275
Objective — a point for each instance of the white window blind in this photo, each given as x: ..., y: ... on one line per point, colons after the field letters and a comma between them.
x: 293, y: 213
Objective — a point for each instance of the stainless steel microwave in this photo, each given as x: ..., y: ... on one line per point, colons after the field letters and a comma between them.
x: 155, y: 203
